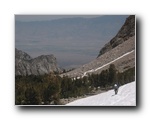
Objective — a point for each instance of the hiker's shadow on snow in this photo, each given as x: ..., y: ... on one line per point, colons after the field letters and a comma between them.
x: 113, y: 95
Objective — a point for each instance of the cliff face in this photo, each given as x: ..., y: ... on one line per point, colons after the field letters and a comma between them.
x: 25, y: 65
x: 126, y: 31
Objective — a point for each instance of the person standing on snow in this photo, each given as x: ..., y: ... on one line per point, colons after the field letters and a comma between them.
x: 116, y: 88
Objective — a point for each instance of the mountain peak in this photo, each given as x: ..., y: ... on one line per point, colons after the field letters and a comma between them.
x: 25, y: 65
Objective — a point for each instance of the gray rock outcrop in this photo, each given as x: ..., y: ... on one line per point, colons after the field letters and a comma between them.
x: 25, y: 65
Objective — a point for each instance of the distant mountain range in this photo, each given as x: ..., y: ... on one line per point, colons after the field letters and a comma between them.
x: 73, y: 41
x: 119, y: 51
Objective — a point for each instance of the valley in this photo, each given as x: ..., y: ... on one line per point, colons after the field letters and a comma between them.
x: 40, y: 80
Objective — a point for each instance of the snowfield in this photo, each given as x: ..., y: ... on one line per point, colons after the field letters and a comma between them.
x: 126, y: 97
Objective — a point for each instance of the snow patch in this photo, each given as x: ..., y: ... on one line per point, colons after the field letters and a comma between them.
x: 126, y: 97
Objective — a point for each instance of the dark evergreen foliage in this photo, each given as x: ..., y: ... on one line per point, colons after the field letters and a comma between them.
x: 48, y: 89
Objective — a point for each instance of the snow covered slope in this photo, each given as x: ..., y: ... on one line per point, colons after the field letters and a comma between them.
x: 126, y: 97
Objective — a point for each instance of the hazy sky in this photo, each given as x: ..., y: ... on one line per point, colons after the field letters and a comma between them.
x: 27, y: 18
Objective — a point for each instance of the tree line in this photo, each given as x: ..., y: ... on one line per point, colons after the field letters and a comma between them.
x: 50, y: 88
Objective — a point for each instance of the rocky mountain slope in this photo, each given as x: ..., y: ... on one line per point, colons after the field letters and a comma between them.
x: 126, y: 31
x: 25, y: 65
x: 119, y: 51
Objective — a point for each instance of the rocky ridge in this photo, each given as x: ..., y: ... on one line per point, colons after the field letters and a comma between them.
x: 126, y: 31
x: 119, y: 51
x: 26, y: 65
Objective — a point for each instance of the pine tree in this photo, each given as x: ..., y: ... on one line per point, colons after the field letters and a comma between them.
x: 112, y: 74
x: 104, y: 78
x: 31, y: 96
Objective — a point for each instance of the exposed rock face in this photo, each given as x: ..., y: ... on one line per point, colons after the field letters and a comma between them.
x: 126, y: 31
x: 22, y: 55
x: 25, y: 65
x: 120, y: 51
